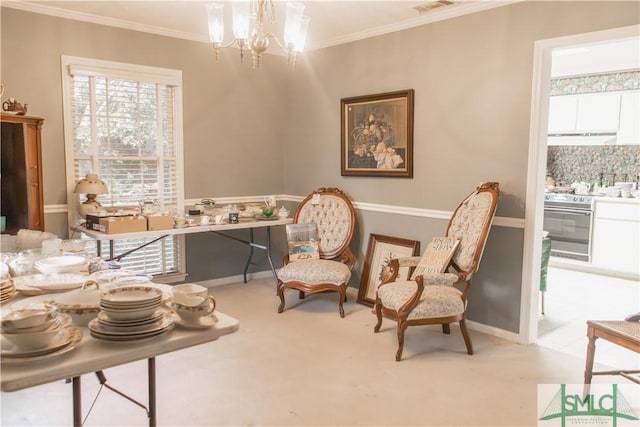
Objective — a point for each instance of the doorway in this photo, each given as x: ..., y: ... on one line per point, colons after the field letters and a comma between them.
x: 543, y: 61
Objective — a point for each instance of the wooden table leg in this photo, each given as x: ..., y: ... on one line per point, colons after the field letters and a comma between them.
x: 588, y: 369
x: 152, y: 391
x: 77, y: 402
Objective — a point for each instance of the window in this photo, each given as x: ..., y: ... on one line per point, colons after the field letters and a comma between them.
x: 124, y: 122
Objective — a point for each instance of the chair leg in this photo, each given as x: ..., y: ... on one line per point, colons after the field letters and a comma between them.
x: 465, y: 335
x: 281, y: 295
x: 341, y: 299
x: 446, y: 329
x: 378, y: 309
x: 402, y: 327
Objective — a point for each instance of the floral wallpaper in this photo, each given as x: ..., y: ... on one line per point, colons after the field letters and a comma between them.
x: 628, y: 80
x: 575, y: 163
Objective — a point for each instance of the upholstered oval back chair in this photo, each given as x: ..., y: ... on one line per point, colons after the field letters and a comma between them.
x: 432, y: 298
x: 332, y: 212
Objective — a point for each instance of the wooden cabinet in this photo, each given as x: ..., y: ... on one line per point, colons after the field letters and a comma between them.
x: 21, y: 172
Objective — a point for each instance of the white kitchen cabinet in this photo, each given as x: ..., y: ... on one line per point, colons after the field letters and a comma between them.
x: 562, y: 113
x: 598, y: 112
x: 629, y: 131
x: 616, y: 235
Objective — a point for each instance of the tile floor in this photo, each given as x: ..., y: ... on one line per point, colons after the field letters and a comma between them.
x: 574, y: 297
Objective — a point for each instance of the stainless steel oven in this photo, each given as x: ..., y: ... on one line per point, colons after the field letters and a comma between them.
x: 569, y: 219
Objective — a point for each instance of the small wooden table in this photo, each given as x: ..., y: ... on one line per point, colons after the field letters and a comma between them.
x: 625, y: 334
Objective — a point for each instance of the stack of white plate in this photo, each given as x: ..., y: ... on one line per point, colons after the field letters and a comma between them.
x: 62, y: 264
x: 7, y: 290
x: 130, y: 313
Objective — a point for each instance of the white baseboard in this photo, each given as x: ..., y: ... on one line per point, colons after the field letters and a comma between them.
x: 212, y: 283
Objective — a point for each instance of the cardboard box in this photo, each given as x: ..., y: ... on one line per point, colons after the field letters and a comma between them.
x: 93, y: 221
x: 159, y: 222
x: 124, y: 224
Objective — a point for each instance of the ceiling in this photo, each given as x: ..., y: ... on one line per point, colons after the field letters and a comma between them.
x: 332, y: 22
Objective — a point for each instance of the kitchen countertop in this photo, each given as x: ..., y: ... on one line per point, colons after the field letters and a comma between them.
x: 624, y: 200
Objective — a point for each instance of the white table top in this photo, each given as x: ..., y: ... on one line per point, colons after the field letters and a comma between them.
x: 243, y: 224
x: 93, y: 355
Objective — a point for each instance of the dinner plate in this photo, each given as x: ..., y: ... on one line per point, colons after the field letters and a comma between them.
x: 131, y: 329
x: 107, y: 321
x: 73, y: 337
x: 204, y: 323
x: 98, y: 328
x: 52, y: 282
x: 126, y: 339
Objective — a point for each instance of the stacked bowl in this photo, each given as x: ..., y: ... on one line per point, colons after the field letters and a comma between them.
x: 33, y: 333
x: 62, y: 264
x: 130, y: 313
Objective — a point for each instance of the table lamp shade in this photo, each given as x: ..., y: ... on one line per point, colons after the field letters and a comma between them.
x: 90, y: 185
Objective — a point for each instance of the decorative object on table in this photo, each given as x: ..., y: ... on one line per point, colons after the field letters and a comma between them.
x: 334, y: 216
x: 376, y: 136
x: 268, y: 211
x: 283, y: 212
x: 249, y: 29
x: 148, y: 207
x: 302, y: 241
x: 92, y: 186
x: 270, y: 201
x: 432, y: 298
x: 233, y: 217
x: 12, y: 106
x: 380, y: 251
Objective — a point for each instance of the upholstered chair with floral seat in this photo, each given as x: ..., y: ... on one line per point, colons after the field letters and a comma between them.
x: 332, y: 212
x: 432, y: 298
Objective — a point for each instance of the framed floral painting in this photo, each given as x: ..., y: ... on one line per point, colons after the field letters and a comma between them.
x: 377, y: 135
x: 380, y: 251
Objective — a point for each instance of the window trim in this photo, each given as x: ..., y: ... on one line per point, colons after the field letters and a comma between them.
x: 95, y: 67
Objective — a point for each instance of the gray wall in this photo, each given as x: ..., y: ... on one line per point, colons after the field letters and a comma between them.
x: 472, y: 77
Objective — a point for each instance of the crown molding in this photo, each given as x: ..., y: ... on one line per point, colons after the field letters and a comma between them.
x: 441, y: 14
x: 101, y: 20
x: 458, y: 9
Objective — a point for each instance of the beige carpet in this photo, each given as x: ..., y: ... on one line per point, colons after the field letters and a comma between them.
x: 309, y: 367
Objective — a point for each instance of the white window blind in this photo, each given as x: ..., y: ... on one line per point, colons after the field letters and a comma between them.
x: 123, y: 122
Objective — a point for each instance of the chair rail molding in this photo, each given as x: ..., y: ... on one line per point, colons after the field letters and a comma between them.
x: 363, y: 206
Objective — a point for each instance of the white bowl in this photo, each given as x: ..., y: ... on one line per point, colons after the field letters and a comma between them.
x: 62, y: 264
x: 41, y: 339
x: 27, y: 318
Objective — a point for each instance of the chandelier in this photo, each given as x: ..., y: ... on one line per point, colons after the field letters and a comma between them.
x: 248, y: 28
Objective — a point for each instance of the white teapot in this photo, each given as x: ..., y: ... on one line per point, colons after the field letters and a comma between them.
x: 283, y: 212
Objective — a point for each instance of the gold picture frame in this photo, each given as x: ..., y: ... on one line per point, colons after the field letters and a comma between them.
x: 380, y: 251
x: 377, y: 135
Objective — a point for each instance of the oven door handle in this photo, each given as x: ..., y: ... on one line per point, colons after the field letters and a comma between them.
x: 573, y: 211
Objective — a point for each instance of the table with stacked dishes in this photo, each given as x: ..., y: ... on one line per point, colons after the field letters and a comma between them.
x: 64, y: 325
